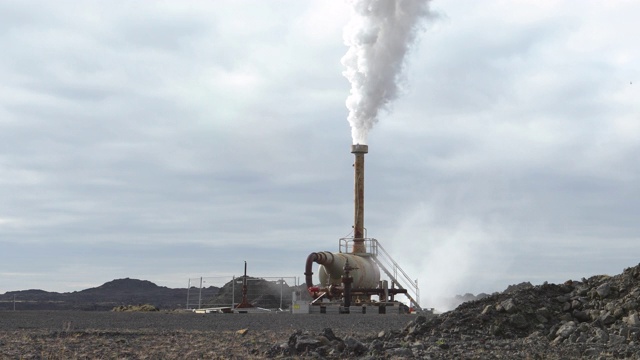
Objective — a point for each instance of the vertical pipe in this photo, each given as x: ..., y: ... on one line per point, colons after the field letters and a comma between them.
x: 244, y: 284
x: 358, y: 224
x: 347, y: 280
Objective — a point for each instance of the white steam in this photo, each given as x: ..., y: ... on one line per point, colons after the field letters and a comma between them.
x: 379, y: 35
x: 450, y: 257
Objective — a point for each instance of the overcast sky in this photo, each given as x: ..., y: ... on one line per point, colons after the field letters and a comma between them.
x: 170, y: 140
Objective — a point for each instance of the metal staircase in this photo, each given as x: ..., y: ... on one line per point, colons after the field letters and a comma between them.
x: 389, y: 266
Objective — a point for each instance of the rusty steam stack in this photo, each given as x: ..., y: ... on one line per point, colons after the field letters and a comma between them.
x: 352, y: 275
x: 358, y: 222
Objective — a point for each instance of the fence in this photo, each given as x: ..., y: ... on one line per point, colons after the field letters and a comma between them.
x: 273, y: 293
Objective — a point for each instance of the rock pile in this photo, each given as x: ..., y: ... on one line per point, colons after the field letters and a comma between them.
x: 595, y: 318
x: 260, y: 293
x: 130, y: 308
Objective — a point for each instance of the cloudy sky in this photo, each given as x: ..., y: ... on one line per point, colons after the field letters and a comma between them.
x: 170, y: 140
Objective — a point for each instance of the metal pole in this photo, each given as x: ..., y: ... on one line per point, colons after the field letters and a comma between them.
x: 281, y: 284
x: 233, y: 291
x: 200, y: 295
x: 188, y: 290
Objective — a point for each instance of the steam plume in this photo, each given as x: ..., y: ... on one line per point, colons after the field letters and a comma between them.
x: 378, y: 36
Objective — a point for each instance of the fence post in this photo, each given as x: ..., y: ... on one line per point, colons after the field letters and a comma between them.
x: 188, y: 290
x: 281, y: 285
x: 200, y: 294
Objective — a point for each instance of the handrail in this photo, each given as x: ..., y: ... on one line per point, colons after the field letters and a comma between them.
x: 381, y: 256
x: 396, y: 266
x: 416, y: 303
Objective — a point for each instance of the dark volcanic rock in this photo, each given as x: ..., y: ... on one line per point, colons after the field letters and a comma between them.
x: 595, y: 318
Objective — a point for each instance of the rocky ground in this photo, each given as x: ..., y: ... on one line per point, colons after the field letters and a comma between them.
x: 168, y: 335
x: 595, y: 318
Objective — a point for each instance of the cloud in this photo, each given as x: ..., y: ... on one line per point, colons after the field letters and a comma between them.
x: 199, y: 135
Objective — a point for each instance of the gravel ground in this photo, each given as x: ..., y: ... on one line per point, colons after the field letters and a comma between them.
x: 163, y: 321
x: 168, y: 335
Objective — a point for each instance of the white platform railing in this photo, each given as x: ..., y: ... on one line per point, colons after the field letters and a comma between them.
x: 389, y: 266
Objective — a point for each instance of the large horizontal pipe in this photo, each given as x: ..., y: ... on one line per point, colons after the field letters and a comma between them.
x: 365, y: 273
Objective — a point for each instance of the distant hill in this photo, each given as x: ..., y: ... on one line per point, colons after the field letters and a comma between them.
x: 105, y: 297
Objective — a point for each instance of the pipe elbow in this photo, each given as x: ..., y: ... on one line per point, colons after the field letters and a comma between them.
x: 308, y: 269
x: 324, y: 258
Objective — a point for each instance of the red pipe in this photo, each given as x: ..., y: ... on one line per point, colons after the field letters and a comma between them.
x: 321, y: 258
x: 308, y: 269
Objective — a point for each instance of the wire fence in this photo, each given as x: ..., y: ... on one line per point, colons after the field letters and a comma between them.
x: 272, y: 293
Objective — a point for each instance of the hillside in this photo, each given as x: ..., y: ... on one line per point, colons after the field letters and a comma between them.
x: 105, y: 297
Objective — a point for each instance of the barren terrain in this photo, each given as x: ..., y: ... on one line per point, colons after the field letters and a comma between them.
x: 591, y: 318
x: 168, y: 335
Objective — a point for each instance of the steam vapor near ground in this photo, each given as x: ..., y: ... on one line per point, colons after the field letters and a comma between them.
x: 379, y: 35
x: 449, y: 255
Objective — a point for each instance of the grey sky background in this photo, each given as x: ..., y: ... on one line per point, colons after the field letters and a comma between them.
x: 169, y: 140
